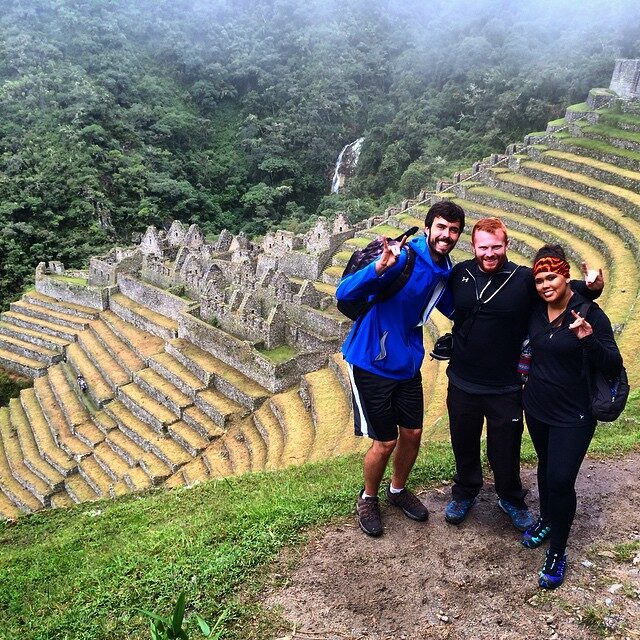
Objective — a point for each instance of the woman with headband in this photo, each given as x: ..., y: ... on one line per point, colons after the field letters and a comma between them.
x: 556, y: 399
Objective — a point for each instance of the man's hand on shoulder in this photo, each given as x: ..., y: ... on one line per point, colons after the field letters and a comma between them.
x: 592, y: 278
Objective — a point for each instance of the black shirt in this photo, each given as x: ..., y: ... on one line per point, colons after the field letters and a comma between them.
x: 490, y: 322
x: 557, y: 392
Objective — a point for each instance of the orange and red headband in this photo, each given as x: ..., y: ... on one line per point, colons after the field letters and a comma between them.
x: 552, y: 264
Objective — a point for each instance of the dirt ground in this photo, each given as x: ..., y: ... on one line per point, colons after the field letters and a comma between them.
x: 473, y: 581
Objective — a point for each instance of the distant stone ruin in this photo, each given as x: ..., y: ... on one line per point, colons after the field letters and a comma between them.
x: 626, y: 79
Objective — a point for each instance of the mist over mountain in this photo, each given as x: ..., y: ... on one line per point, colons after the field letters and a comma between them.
x: 117, y: 115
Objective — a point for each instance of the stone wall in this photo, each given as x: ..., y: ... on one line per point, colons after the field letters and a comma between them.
x: 74, y: 292
x: 626, y: 79
x: 153, y: 298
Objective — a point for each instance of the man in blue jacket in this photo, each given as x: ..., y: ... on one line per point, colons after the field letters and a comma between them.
x: 384, y: 352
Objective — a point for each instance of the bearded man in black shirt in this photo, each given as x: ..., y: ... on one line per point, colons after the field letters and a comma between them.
x: 493, y: 299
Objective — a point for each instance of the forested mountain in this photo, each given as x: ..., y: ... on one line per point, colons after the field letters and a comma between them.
x: 116, y: 114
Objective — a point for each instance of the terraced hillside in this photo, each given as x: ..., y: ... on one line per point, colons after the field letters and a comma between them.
x: 159, y: 411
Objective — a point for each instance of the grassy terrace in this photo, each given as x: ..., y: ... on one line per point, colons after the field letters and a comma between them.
x: 612, y: 132
x: 592, y: 162
x: 598, y: 146
x: 83, y: 573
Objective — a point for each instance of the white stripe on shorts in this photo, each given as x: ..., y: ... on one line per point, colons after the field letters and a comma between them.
x: 364, y: 427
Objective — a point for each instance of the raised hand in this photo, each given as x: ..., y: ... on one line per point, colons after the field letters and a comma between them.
x: 580, y: 326
x: 592, y: 278
x: 389, y: 255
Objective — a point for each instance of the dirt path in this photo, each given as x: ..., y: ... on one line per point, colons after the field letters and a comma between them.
x: 474, y: 581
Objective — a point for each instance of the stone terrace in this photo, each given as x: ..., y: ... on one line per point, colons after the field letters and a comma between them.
x: 174, y: 400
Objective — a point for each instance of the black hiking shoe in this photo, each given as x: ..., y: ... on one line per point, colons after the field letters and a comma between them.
x: 536, y: 535
x: 369, y: 515
x: 520, y: 516
x: 410, y: 504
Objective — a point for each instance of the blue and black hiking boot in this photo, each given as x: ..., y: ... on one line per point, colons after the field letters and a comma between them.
x: 521, y: 518
x: 457, y: 509
x: 536, y: 535
x: 553, y: 570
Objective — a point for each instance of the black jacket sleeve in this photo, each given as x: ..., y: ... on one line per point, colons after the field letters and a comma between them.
x: 600, y: 347
x: 579, y: 286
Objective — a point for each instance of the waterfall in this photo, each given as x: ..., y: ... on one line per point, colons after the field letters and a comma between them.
x: 346, y: 164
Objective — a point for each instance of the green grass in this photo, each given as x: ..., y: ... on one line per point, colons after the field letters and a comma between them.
x: 560, y: 122
x: 82, y: 574
x: 279, y: 354
x: 581, y: 107
x: 82, y: 281
x: 612, y: 132
x: 598, y: 145
x: 613, y: 118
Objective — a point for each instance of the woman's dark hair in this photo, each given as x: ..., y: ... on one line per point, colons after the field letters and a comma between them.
x: 446, y: 209
x: 551, y: 251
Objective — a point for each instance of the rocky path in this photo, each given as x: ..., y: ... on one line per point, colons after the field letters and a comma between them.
x: 474, y: 581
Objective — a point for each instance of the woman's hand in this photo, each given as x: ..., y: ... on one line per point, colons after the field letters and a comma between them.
x: 580, y: 326
x: 592, y: 278
x: 389, y: 255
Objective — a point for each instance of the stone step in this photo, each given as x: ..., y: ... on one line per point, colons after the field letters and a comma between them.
x: 44, y: 340
x: 110, y: 369
x: 137, y: 480
x: 212, y: 371
x: 604, y: 171
x: 98, y: 389
x: 99, y: 480
x: 31, y: 456
x: 176, y: 480
x: 162, y: 391
x: 598, y: 150
x: 68, y: 308
x: 613, y: 136
x: 330, y: 411
x: 48, y: 315
x: 124, y: 355
x: 216, y: 459
x: 51, y: 407
x: 255, y: 443
x: 202, y: 423
x: 141, y: 342
x: 40, y: 326
x: 29, y: 350
x: 22, y: 365
x: 45, y: 442
x: 110, y: 461
x: 129, y: 451
x: 13, y: 490
x: 218, y: 406
x: 195, y: 472
x: 169, y: 451
x: 338, y: 365
x: 603, y: 213
x: 238, y: 450
x: 61, y: 500
x: 271, y: 431
x: 104, y: 422
x: 157, y: 470
x: 146, y: 408
x: 624, y: 199
x: 35, y: 485
x: 79, y: 489
x: 174, y: 371
x: 296, y: 425
x: 143, y: 318
x: 188, y: 437
x: 8, y: 510
x: 332, y: 275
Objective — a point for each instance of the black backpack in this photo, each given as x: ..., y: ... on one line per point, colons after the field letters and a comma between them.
x: 360, y: 258
x: 608, y: 396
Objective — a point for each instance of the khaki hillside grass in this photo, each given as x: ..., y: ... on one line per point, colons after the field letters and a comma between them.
x: 84, y: 572
x: 595, y: 164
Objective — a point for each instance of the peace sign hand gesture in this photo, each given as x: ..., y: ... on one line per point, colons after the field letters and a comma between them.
x: 390, y: 254
x: 580, y: 326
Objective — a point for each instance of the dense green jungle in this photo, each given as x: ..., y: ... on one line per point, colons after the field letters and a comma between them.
x: 231, y: 113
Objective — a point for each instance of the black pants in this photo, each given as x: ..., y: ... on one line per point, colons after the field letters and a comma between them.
x: 504, y: 436
x: 561, y: 451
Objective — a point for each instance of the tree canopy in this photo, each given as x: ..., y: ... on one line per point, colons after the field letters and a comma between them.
x: 231, y: 113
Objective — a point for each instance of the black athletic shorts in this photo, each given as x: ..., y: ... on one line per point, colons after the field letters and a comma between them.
x: 381, y: 405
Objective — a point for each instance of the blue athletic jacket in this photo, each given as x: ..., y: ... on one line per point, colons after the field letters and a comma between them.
x: 387, y: 340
